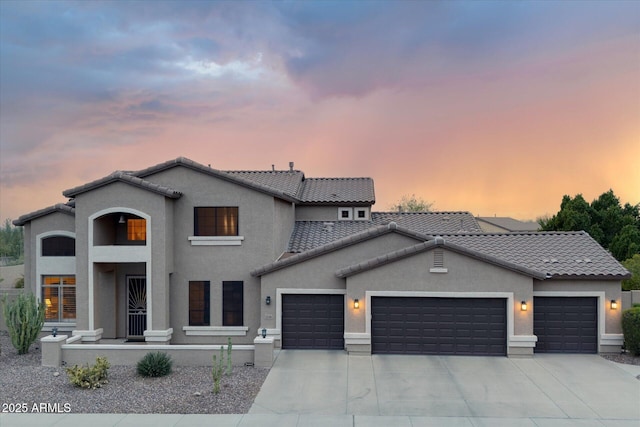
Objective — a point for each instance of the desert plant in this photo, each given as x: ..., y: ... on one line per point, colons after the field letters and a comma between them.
x: 155, y: 365
x: 19, y: 283
x: 24, y: 318
x: 229, y: 364
x: 631, y: 330
x: 89, y: 376
x: 217, y: 370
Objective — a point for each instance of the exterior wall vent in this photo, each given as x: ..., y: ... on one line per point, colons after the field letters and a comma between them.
x: 438, y: 262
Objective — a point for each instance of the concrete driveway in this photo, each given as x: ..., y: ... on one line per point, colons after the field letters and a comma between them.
x: 498, y: 390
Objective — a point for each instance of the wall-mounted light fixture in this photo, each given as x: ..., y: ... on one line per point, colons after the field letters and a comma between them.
x: 267, y: 300
x: 356, y: 303
x: 121, y: 220
x: 523, y: 305
x: 264, y: 332
x: 614, y: 304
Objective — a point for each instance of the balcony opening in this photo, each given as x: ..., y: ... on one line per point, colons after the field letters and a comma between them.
x: 120, y: 229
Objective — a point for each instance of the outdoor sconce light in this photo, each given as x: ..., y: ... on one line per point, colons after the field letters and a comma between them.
x: 54, y: 331
x: 264, y: 332
x: 356, y: 303
x: 523, y: 305
x: 614, y: 304
x: 121, y: 220
x: 267, y: 300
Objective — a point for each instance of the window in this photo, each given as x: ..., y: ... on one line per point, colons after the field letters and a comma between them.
x: 199, y: 303
x: 59, y: 297
x: 58, y: 246
x: 232, y: 303
x: 345, y: 213
x: 136, y: 229
x: 362, y: 214
x: 215, y: 221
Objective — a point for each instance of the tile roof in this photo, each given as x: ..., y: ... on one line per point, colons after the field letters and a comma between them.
x: 367, y: 234
x: 257, y: 182
x: 60, y: 207
x: 286, y: 181
x: 120, y: 176
x: 557, y: 254
x: 427, y: 246
x: 509, y: 224
x: 335, y: 191
x: 310, y: 234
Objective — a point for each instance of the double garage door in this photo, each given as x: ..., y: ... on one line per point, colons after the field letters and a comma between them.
x: 444, y: 326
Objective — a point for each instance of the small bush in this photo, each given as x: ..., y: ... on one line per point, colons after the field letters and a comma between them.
x: 155, y: 365
x: 89, y: 376
x: 631, y: 330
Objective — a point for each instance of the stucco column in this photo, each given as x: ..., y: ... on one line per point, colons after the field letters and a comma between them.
x: 263, y: 353
x: 52, y: 350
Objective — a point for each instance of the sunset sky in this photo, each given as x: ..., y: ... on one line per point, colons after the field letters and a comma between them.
x: 497, y: 108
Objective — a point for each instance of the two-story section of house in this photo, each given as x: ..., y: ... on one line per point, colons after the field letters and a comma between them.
x: 182, y: 254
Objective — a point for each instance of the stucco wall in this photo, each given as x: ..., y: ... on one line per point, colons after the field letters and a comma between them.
x: 263, y: 223
x: 464, y: 276
x: 319, y: 272
x: 611, y: 290
x: 109, y: 199
x: 316, y: 213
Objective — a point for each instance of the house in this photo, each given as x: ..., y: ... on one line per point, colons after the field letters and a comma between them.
x: 184, y: 256
x: 503, y: 224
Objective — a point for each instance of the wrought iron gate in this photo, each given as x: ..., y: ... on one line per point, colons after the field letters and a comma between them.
x: 137, y: 306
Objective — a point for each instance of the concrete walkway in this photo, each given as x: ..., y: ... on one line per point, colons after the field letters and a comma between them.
x: 329, y: 388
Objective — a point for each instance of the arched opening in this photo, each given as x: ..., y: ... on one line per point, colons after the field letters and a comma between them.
x: 120, y: 228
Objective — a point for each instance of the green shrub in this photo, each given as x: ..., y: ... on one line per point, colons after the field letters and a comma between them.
x: 631, y: 330
x: 89, y: 376
x: 155, y: 365
x: 24, y: 318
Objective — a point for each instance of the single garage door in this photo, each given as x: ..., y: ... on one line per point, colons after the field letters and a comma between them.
x: 446, y: 326
x: 312, y: 321
x: 565, y: 324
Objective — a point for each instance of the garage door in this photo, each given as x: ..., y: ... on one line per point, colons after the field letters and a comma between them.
x: 566, y: 324
x: 447, y: 326
x: 312, y: 321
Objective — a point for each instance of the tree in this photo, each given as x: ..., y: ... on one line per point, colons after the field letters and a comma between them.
x: 633, y: 265
x: 412, y: 204
x: 615, y: 227
x: 11, y: 241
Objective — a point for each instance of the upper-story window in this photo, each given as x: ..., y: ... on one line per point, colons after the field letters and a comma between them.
x: 136, y: 230
x: 58, y: 246
x: 215, y: 221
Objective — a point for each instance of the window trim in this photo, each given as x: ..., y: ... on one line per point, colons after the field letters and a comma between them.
x: 216, y: 240
x: 60, y: 295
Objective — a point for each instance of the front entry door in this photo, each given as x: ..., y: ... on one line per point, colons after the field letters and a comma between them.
x: 136, y: 306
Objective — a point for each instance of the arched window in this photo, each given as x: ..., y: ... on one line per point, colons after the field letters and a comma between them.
x: 58, y: 246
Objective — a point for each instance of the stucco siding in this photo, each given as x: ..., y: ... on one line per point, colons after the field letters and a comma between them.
x: 316, y: 213
x: 611, y: 290
x: 319, y: 272
x: 464, y: 276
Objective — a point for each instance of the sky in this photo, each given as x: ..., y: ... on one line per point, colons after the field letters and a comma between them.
x: 495, y: 108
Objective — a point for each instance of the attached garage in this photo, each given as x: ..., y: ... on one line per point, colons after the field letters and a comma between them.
x: 313, y: 321
x: 566, y: 324
x: 439, y: 326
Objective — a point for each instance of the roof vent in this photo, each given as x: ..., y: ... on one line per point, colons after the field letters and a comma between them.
x: 328, y: 226
x: 290, y: 166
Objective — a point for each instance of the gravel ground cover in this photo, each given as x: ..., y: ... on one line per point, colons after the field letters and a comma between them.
x: 187, y: 390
